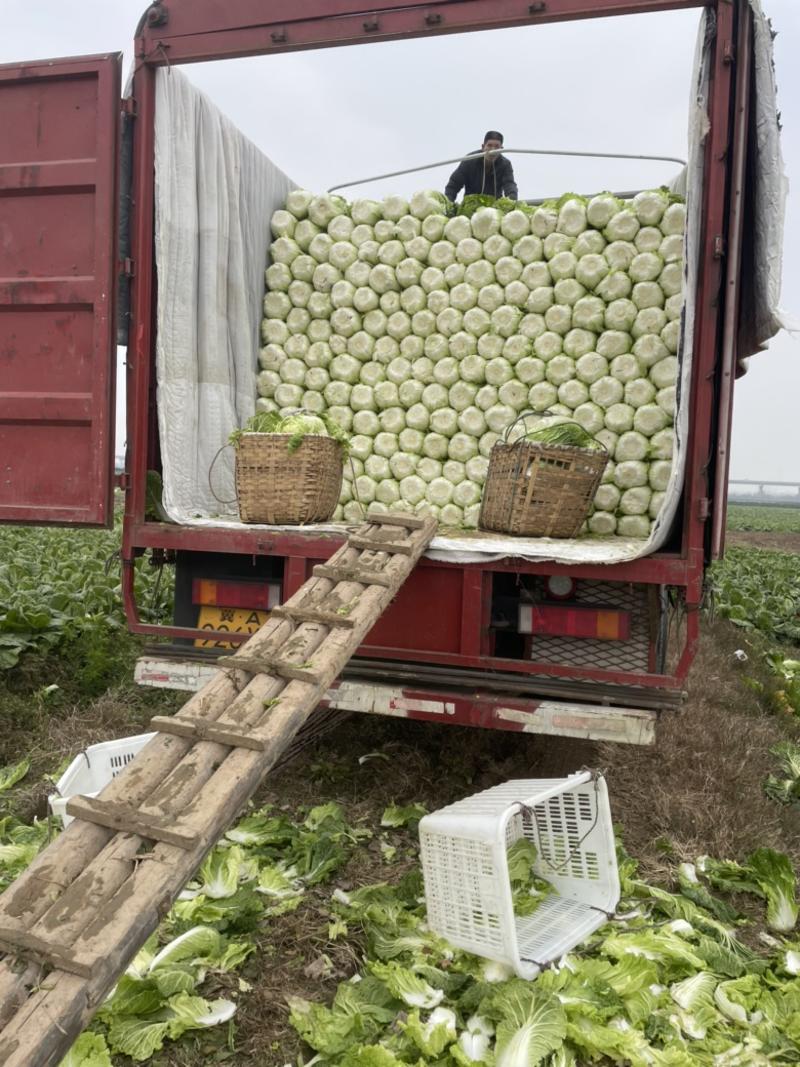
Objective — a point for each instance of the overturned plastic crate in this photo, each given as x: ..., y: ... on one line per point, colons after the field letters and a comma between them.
x: 92, y: 770
x: 464, y: 861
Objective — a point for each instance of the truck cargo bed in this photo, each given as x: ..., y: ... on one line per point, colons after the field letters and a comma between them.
x: 453, y: 545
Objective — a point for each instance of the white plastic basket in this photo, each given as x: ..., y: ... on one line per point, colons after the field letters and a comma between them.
x: 465, y: 867
x: 93, y: 769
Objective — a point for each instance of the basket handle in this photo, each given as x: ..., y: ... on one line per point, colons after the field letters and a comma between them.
x: 230, y: 444
x: 210, y: 469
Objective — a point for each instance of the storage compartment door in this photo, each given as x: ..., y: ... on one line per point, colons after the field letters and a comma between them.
x: 59, y: 134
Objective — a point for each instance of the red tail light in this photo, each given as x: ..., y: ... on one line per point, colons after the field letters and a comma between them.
x: 222, y: 593
x: 573, y: 620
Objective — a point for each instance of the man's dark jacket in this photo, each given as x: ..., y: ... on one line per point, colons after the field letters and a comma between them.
x: 495, y: 180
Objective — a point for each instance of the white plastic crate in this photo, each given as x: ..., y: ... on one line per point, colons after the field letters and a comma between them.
x: 92, y: 770
x: 465, y: 867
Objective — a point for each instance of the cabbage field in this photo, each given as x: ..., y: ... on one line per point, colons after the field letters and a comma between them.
x: 759, y: 590
x: 768, y: 519
x: 425, y: 334
x: 60, y: 586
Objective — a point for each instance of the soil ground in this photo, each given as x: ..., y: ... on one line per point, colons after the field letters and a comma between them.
x: 775, y: 540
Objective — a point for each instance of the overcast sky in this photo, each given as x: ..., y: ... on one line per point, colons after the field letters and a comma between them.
x: 622, y: 84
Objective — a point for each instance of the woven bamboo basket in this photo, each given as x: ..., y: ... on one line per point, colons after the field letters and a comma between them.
x: 283, y: 488
x: 539, y: 490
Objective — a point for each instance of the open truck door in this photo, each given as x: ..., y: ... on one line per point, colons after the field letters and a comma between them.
x: 59, y: 164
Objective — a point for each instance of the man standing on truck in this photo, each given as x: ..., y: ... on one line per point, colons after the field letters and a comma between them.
x: 491, y: 173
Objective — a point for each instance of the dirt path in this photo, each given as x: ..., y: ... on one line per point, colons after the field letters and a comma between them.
x: 774, y: 540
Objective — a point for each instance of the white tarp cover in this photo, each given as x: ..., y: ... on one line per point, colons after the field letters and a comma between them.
x: 760, y: 317
x: 215, y: 193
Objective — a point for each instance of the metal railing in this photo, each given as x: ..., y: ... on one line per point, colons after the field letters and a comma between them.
x: 507, y: 152
x: 764, y: 493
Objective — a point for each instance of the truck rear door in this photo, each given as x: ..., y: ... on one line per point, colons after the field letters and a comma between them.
x: 59, y: 140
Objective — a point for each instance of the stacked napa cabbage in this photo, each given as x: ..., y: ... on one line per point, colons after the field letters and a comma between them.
x: 425, y: 334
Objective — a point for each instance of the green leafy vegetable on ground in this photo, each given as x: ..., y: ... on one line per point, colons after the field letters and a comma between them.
x: 90, y: 1050
x: 20, y: 843
x: 759, y: 590
x: 785, y: 786
x: 775, y: 876
x: 262, y: 868
x: 667, y: 981
x: 409, y: 815
x: 663, y: 983
x: 15, y: 773
x: 527, y: 889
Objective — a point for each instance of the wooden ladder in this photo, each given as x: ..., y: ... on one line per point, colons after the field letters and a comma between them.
x: 89, y: 901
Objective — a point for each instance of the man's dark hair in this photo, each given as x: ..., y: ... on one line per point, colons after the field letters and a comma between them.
x: 492, y: 135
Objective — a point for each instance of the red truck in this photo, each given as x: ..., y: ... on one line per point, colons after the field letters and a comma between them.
x: 583, y: 648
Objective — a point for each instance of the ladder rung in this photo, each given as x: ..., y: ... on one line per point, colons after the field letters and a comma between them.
x: 408, y: 522
x: 270, y: 665
x: 15, y: 939
x: 299, y: 615
x: 367, y: 544
x: 351, y: 574
x: 224, y: 733
x: 130, y: 820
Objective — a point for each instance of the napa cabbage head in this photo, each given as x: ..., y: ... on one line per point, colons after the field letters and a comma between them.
x: 433, y: 1035
x: 427, y: 202
x: 407, y: 986
x: 530, y: 1024
x: 775, y: 875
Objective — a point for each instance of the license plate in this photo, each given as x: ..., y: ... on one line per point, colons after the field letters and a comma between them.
x: 231, y: 620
